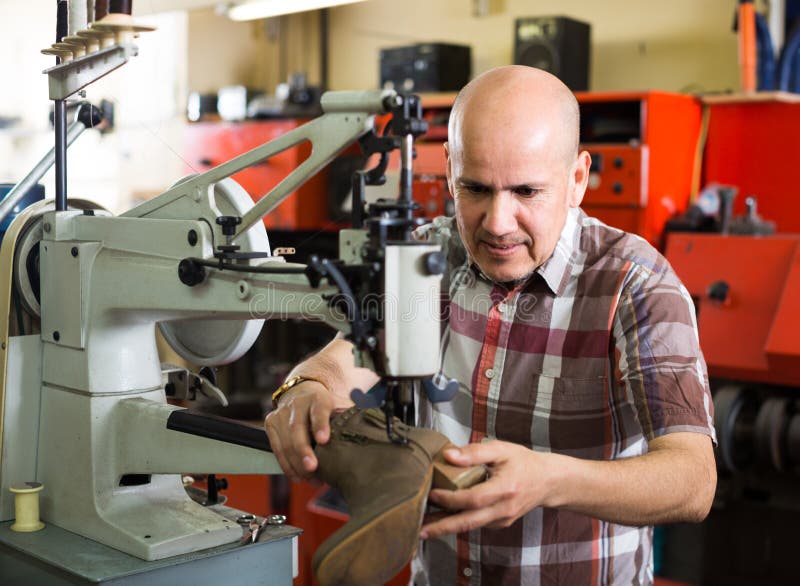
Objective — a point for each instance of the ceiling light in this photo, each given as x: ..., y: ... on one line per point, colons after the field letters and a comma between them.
x: 255, y: 9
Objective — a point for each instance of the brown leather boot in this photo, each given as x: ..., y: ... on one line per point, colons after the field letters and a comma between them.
x: 386, y: 487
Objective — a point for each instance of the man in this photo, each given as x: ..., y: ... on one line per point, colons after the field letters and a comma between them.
x: 584, y: 391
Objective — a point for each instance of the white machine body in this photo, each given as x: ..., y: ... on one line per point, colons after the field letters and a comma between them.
x: 87, y: 395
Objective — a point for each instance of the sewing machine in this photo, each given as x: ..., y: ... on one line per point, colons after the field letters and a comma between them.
x: 84, y: 409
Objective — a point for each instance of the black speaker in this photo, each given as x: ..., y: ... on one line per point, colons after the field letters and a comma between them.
x: 556, y: 44
x: 426, y: 67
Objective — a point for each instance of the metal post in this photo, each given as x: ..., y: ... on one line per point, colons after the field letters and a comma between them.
x: 20, y: 189
x: 406, y: 170
x: 61, y: 155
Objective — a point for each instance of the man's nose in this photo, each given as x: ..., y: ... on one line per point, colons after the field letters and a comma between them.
x: 500, y: 217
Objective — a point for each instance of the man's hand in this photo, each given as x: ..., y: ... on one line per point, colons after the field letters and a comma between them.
x: 673, y: 482
x: 302, y: 412
x: 518, y: 482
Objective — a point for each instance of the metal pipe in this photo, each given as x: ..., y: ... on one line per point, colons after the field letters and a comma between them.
x: 406, y: 170
x: 14, y: 196
x: 60, y: 119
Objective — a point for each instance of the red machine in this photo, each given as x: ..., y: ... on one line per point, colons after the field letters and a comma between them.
x: 643, y: 148
x: 752, y: 144
x: 747, y: 334
x: 747, y: 294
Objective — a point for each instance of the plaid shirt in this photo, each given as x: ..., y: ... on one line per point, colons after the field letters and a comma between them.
x: 592, y: 356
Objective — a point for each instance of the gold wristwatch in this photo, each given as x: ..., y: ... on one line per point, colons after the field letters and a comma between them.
x: 292, y: 382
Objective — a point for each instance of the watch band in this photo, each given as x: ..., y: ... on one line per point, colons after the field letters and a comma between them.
x: 290, y: 383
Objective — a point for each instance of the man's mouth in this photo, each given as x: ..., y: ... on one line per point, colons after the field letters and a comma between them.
x: 500, y: 248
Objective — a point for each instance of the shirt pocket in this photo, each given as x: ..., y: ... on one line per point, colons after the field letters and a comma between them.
x: 579, y: 417
x: 559, y: 414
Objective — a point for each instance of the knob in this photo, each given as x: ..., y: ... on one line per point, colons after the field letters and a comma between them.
x: 718, y: 291
x: 435, y: 263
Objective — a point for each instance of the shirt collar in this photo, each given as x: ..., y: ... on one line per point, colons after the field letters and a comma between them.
x: 557, y: 269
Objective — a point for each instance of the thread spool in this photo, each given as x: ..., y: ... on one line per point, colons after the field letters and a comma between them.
x: 82, y: 43
x: 98, y: 37
x: 77, y: 51
x: 122, y: 26
x: 26, y: 507
x: 64, y: 54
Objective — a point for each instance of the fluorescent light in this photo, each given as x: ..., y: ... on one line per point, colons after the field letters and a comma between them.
x: 267, y: 8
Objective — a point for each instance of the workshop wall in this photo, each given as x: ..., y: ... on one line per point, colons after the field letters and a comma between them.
x: 257, y: 54
x: 682, y: 45
x: 139, y: 158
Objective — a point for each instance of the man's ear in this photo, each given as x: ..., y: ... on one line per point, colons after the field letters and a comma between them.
x: 448, y: 171
x: 580, y: 179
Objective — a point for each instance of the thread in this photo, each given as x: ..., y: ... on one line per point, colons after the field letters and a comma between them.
x: 62, y: 20
x: 77, y: 16
x: 120, y: 6
x: 26, y: 507
x: 100, y: 9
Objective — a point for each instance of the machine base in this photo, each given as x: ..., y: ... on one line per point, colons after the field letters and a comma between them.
x: 55, y: 556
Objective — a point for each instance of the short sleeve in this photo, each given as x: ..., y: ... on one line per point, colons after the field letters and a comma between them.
x: 659, y: 364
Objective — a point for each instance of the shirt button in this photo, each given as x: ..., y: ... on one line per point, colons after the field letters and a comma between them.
x: 467, y: 572
x: 489, y: 373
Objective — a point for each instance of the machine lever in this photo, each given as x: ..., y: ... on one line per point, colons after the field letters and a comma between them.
x: 218, y: 428
x: 439, y: 388
x: 372, y: 398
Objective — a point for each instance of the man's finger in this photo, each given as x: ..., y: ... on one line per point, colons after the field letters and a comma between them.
x: 432, y: 517
x: 302, y: 456
x: 278, y: 451
x: 478, y: 496
x: 475, y: 454
x: 320, y: 422
x: 457, y: 523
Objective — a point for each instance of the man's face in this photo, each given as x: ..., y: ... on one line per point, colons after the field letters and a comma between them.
x: 512, y: 197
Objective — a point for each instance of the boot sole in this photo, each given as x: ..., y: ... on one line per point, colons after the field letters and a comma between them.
x: 381, y: 544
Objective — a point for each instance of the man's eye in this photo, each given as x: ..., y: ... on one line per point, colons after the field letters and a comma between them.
x: 475, y: 189
x: 527, y: 191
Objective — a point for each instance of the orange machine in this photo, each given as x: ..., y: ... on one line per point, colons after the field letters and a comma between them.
x: 749, y: 146
x: 747, y: 295
x: 643, y: 151
x: 752, y: 144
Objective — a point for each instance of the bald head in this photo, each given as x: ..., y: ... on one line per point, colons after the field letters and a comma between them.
x: 516, y: 102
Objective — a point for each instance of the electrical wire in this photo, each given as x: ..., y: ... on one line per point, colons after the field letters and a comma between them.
x: 787, y: 75
x: 765, y: 55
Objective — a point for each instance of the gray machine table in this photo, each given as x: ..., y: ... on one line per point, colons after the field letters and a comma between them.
x: 57, y: 557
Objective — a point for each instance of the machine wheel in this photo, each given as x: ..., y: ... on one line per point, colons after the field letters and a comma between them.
x: 772, y: 426
x: 734, y: 411
x: 26, y: 255
x: 793, y: 440
x: 208, y: 342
